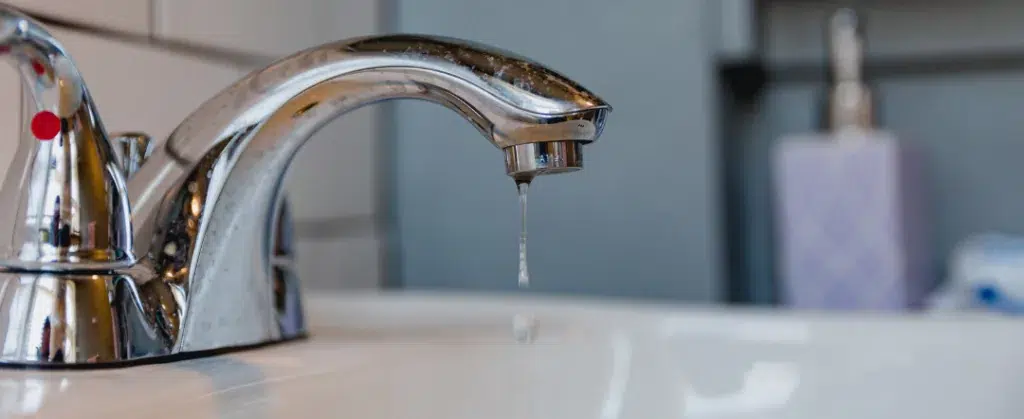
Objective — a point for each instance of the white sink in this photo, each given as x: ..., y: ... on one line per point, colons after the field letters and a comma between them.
x: 423, y: 356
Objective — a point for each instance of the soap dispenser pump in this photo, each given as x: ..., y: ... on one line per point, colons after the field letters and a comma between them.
x: 850, y: 101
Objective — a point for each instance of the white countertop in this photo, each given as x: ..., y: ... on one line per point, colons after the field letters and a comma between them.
x: 422, y: 356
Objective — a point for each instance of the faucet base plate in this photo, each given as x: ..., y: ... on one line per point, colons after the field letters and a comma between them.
x: 153, y: 360
x: 110, y: 320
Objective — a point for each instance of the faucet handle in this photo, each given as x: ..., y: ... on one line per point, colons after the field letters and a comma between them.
x: 63, y: 203
x: 135, y: 148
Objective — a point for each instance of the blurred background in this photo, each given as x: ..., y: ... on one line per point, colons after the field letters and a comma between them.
x: 690, y: 195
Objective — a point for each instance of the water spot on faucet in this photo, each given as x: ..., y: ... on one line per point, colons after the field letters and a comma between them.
x: 522, y: 84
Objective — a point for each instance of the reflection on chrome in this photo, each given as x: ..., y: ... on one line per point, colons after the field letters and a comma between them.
x: 766, y: 386
x: 112, y: 251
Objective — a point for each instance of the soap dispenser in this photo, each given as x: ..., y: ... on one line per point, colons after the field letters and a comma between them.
x: 850, y: 215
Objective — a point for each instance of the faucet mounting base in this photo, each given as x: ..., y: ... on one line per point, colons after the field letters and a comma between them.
x: 84, y: 320
x: 153, y: 360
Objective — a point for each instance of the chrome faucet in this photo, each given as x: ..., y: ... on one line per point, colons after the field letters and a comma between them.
x: 113, y: 251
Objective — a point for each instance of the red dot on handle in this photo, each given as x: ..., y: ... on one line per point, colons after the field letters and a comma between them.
x: 45, y: 125
x: 5, y: 49
x: 38, y: 68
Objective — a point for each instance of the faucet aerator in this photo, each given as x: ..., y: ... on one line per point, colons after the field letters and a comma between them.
x: 523, y: 162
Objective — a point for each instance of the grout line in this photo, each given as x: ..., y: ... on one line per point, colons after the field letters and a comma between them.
x: 153, y: 4
x: 336, y: 227
x: 389, y: 261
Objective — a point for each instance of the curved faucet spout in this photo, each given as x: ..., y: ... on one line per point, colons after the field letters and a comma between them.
x: 510, y: 99
x: 203, y: 204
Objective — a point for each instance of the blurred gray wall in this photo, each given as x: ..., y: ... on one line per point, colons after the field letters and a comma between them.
x: 968, y: 124
x: 643, y: 218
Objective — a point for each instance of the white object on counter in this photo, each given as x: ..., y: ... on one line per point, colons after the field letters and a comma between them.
x: 986, y: 274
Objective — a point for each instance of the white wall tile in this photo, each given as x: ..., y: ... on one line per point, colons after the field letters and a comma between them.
x: 131, y: 16
x: 333, y: 175
x: 10, y: 115
x: 339, y: 263
x: 143, y: 89
x: 267, y: 27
